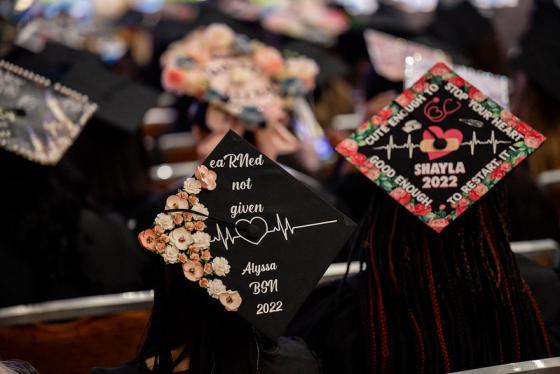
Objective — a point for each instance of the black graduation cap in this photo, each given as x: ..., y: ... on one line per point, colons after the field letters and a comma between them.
x: 460, y: 25
x: 440, y: 146
x: 122, y: 102
x: 53, y: 61
x: 39, y: 120
x: 271, y: 238
x: 540, y: 48
x: 331, y: 66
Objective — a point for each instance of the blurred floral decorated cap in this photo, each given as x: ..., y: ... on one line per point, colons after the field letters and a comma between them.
x: 440, y: 146
x: 311, y: 20
x: 245, y: 78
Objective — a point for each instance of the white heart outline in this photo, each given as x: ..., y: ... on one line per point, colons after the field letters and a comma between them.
x: 250, y: 222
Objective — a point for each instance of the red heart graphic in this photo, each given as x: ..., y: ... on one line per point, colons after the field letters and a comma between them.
x: 449, y: 134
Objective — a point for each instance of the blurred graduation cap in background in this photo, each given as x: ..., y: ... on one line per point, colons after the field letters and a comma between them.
x: 540, y: 48
x: 122, y: 102
x: 331, y: 66
x: 39, y: 119
x: 109, y: 153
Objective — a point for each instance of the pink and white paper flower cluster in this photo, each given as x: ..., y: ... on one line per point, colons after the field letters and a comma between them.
x: 178, y: 236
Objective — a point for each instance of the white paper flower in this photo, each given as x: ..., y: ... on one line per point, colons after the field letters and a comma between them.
x: 220, y: 266
x: 201, y: 240
x: 171, y: 254
x: 200, y: 208
x: 218, y: 37
x: 181, y: 238
x: 215, y: 288
x: 192, y: 185
x: 165, y: 221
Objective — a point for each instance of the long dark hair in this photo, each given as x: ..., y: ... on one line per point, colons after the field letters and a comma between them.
x: 184, y: 315
x: 445, y: 302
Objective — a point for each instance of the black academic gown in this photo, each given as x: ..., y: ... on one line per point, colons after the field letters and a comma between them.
x: 332, y: 322
x: 290, y: 356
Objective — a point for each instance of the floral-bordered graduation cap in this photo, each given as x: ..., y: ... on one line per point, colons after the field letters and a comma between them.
x: 253, y: 236
x: 440, y: 146
x: 245, y: 78
x: 39, y: 119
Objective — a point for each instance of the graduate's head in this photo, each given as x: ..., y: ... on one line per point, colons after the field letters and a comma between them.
x: 435, y: 238
x: 243, y: 260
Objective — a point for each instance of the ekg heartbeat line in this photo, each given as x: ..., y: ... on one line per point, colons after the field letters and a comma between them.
x: 228, y: 237
x: 474, y: 142
x: 391, y: 145
x: 471, y: 143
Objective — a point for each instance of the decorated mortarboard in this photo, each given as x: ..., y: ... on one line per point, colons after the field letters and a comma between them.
x: 494, y: 85
x: 388, y: 54
x: 39, y: 120
x: 311, y: 20
x: 122, y: 102
x: 245, y: 78
x: 250, y: 234
x: 440, y: 146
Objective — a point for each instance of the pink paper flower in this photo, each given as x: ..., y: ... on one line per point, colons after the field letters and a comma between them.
x: 203, y: 282
x: 347, y: 147
x: 371, y: 172
x: 421, y: 209
x: 269, y: 60
x: 199, y: 226
x: 192, y: 270
x: 173, y: 80
x: 177, y: 218
x: 533, y: 141
x: 439, y: 69
x: 457, y: 81
x: 438, y: 224
x: 158, y: 230
x: 148, y: 239
x: 206, y: 177
x: 304, y: 69
x: 160, y: 247
x: 461, y: 206
x: 206, y: 255
x: 400, y: 195
x: 218, y: 37
x: 231, y: 300
x: 477, y: 192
